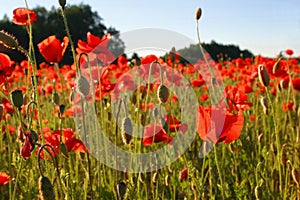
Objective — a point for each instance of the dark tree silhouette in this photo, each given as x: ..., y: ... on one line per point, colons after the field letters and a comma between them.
x: 81, y: 19
x: 215, y: 50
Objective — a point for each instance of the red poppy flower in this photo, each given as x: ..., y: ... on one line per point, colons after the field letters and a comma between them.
x: 20, y: 16
x: 296, y: 84
x: 236, y: 98
x: 288, y: 106
x: 154, y: 134
x: 27, y: 147
x: 5, y: 69
x: 97, y: 47
x: 52, y: 49
x: 216, y: 129
x: 289, y: 52
x: 4, y: 178
x: 72, y: 143
x: 174, y: 124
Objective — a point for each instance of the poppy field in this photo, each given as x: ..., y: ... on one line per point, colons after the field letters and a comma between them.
x: 226, y: 129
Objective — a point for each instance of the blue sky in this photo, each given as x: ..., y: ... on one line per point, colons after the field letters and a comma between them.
x: 263, y: 26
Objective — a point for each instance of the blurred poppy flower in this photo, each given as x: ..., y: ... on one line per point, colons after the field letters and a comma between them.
x: 296, y: 84
x: 5, y: 69
x: 174, y: 124
x: 288, y: 106
x: 214, y: 128
x: 72, y: 143
x: 4, y: 178
x: 183, y: 175
x: 289, y: 52
x: 28, y: 146
x: 20, y: 16
x: 154, y: 134
x: 52, y: 49
x: 92, y: 42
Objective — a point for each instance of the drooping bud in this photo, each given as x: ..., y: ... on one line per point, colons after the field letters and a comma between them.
x: 163, y: 93
x: 126, y: 130
x: 263, y: 75
x: 164, y: 124
x: 121, y: 189
x: 198, y: 13
x: 7, y: 40
x: 17, y: 98
x: 46, y: 189
x: 276, y: 66
x: 83, y: 86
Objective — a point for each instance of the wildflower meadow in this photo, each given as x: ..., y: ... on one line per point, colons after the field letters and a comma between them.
x: 110, y: 127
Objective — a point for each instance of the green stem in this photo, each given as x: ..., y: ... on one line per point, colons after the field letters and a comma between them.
x: 17, y: 178
x: 219, y: 172
x: 69, y: 36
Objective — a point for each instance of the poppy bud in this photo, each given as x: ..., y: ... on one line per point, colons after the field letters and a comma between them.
x: 276, y: 66
x: 17, y: 98
x: 1, y: 111
x: 121, y: 189
x: 62, y: 108
x: 263, y: 75
x: 7, y: 40
x: 163, y: 93
x: 55, y: 98
x: 143, y: 119
x: 71, y: 97
x: 46, y: 189
x: 126, y: 130
x: 62, y: 3
x: 296, y: 176
x: 198, y: 13
x: 83, y: 85
x: 173, y: 54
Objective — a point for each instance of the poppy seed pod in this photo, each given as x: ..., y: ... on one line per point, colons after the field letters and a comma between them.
x: 62, y: 3
x: 83, y: 86
x: 17, y: 98
x: 46, y: 189
x: 8, y: 40
x: 263, y: 75
x: 163, y: 93
x: 126, y: 130
x: 198, y: 13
